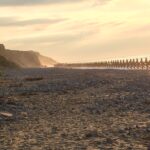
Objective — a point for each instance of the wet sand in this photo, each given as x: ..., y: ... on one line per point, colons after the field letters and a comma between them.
x: 66, y: 109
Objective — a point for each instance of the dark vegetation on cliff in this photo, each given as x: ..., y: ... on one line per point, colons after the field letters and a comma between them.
x: 4, y: 63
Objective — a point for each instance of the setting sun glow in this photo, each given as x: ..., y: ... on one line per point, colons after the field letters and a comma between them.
x: 77, y: 30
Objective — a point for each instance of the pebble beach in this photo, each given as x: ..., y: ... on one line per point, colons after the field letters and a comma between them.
x: 73, y: 109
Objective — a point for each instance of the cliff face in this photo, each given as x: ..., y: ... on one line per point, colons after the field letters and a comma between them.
x: 46, y: 61
x: 26, y: 59
x: 2, y: 47
x: 4, y: 63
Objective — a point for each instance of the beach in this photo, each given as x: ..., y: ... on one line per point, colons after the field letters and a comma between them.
x: 74, y: 109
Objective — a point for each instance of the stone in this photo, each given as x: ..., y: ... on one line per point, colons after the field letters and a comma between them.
x: 54, y: 130
x: 91, y: 134
x: 6, y: 114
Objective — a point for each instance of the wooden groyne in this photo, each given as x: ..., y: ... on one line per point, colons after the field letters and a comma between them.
x: 138, y: 64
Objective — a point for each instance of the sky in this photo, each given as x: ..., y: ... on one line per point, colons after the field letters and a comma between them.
x: 77, y: 30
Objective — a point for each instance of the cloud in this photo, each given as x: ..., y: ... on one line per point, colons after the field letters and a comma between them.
x: 32, y: 2
x: 83, y: 25
x: 37, y: 2
x: 142, y: 29
x: 113, y: 23
x: 54, y: 39
x: 100, y: 2
x: 8, y: 21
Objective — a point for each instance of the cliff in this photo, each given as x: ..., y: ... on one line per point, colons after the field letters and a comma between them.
x: 26, y: 59
x: 4, y: 63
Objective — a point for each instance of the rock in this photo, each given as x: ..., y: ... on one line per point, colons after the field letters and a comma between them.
x: 109, y: 141
x: 6, y: 114
x: 54, y: 130
x: 24, y: 114
x: 64, y: 135
x: 148, y: 129
x: 91, y: 134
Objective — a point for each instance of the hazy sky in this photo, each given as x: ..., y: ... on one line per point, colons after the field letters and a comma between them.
x: 77, y: 30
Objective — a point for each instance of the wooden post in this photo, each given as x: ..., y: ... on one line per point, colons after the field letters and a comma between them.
x: 142, y: 64
x: 146, y: 63
x: 137, y: 63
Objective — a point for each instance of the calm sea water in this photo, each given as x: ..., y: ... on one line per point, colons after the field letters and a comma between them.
x: 90, y: 68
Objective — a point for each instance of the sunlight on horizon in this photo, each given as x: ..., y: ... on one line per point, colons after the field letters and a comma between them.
x: 77, y: 31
